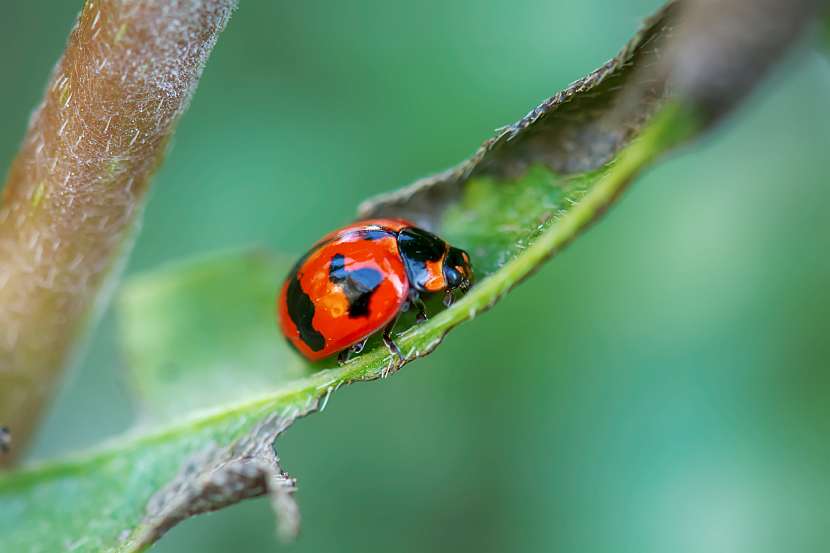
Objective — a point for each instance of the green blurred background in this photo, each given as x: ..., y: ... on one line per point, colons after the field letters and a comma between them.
x: 661, y: 386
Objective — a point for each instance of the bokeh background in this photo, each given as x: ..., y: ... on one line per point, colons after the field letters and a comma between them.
x: 661, y: 386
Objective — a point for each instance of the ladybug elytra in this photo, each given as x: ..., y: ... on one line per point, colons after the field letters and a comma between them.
x: 356, y: 281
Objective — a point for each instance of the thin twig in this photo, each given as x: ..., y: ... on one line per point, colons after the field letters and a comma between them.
x: 77, y: 185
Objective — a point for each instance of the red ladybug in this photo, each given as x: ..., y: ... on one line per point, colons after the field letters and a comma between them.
x: 357, y: 280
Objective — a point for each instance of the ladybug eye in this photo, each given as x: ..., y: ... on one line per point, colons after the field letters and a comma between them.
x: 453, y: 277
x: 457, y: 270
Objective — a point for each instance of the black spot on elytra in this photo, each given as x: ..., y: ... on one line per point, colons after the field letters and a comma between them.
x: 358, y: 285
x: 301, y: 311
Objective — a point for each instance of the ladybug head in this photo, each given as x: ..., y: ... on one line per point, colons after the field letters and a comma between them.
x: 458, y: 272
x: 432, y: 265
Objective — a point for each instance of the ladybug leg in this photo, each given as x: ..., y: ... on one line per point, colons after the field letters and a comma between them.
x: 347, y: 353
x: 358, y: 347
x: 393, y: 347
x: 416, y: 301
x: 449, y: 298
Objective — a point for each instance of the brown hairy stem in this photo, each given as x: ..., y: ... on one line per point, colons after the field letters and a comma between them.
x: 77, y: 185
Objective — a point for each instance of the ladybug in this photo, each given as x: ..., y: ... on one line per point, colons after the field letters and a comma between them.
x: 356, y: 281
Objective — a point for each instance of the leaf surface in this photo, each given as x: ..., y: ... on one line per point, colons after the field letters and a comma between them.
x: 218, y: 385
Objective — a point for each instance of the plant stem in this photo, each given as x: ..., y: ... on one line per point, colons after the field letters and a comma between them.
x: 77, y: 185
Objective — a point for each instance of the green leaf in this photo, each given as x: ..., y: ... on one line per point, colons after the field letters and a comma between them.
x: 202, y: 333
x: 147, y: 481
x: 218, y: 385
